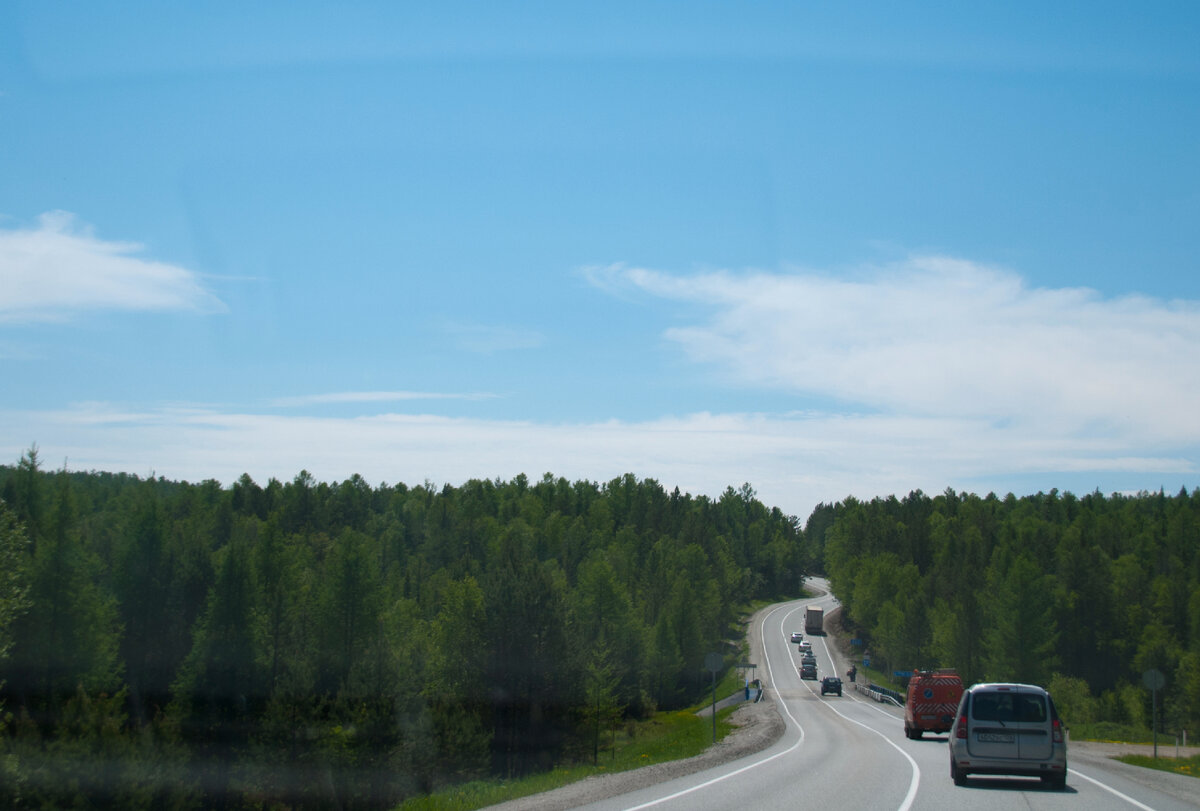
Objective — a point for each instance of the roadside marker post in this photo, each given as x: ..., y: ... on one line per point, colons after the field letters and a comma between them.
x: 1155, y: 680
x: 713, y: 662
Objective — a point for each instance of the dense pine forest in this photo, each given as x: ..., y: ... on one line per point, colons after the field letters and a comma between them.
x: 174, y: 645
x: 1083, y: 595
x: 310, y: 645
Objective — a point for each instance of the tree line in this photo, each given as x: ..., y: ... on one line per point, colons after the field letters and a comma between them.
x: 1084, y: 594
x: 168, y: 644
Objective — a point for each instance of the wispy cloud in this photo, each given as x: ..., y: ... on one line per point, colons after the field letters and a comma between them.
x: 951, y: 374
x: 794, y: 460
x: 60, y: 268
x: 936, y: 337
x: 352, y: 397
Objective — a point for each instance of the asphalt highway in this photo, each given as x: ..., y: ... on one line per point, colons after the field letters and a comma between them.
x: 850, y: 752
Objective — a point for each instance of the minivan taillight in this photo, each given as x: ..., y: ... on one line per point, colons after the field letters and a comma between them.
x: 1056, y: 730
x: 960, y: 730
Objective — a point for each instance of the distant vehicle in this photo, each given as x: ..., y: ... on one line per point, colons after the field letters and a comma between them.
x: 1008, y: 729
x: 805, y: 647
x: 808, y: 671
x: 797, y: 636
x: 932, y: 699
x: 814, y: 619
x: 831, y: 684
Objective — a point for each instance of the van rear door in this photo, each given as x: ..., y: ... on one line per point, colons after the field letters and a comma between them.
x: 1033, y: 726
x: 1012, y: 723
x: 992, y: 732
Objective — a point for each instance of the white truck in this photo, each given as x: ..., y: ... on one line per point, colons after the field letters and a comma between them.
x: 814, y: 616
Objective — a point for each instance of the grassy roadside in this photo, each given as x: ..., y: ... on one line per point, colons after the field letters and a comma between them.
x: 665, y: 737
x: 867, y: 675
x: 1189, y: 766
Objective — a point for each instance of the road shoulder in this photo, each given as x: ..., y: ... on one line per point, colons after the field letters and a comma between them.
x: 757, y: 726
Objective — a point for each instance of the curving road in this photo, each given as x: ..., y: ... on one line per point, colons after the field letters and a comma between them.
x: 850, y: 753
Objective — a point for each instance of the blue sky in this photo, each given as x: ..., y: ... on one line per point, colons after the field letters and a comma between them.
x: 825, y: 250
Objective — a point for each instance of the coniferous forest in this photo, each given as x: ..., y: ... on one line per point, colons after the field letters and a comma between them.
x: 310, y: 645
x: 1080, y: 594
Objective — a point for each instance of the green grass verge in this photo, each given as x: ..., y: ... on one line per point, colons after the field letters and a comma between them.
x: 1109, y: 732
x: 667, y: 736
x: 867, y: 675
x: 1189, y: 766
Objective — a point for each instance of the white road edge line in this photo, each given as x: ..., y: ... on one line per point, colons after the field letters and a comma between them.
x: 755, y: 764
x: 913, y: 784
x: 912, y: 789
x: 1111, y: 790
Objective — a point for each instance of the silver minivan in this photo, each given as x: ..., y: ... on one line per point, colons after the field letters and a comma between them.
x: 1008, y: 729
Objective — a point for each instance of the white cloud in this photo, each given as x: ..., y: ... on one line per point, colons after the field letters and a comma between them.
x: 59, y: 268
x: 360, y: 397
x: 958, y: 375
x: 943, y: 338
x: 794, y: 461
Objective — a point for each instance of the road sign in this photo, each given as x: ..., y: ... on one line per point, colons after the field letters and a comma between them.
x: 903, y: 674
x: 712, y: 662
x: 856, y: 643
x: 1154, y: 679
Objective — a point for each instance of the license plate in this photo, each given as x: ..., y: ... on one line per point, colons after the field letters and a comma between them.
x: 993, y: 737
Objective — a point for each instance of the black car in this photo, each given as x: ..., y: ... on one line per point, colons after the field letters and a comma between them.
x: 808, y: 671
x: 831, y: 684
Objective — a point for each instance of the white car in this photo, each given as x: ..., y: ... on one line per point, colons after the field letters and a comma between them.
x: 797, y: 636
x: 1008, y: 729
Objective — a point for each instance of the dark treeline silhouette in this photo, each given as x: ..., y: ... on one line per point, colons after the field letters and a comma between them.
x: 1082, y: 594
x: 174, y: 645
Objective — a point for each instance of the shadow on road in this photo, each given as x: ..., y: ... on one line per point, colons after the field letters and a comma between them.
x: 1014, y: 784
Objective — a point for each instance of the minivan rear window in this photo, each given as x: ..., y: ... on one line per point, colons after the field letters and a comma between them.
x: 1008, y: 707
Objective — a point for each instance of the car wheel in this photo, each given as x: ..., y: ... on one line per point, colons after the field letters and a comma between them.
x: 917, y: 733
x: 1055, y: 781
x: 959, y: 776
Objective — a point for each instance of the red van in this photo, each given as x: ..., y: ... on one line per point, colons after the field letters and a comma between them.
x: 932, y: 700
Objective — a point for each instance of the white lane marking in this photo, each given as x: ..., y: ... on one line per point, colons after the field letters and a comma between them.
x: 909, y: 798
x: 1111, y: 790
x: 913, y: 784
x: 771, y: 677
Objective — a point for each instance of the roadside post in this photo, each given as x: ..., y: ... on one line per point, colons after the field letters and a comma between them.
x: 713, y: 662
x: 1155, y: 680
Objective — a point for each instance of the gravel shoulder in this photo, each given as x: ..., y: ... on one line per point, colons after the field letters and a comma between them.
x: 757, y: 727
x: 1101, y: 754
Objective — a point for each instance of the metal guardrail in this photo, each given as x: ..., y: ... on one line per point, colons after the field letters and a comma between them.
x: 881, y: 694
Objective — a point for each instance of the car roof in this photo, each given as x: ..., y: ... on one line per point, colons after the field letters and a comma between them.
x: 1003, y: 686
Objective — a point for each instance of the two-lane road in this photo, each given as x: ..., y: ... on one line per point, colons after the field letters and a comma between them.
x: 850, y: 752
